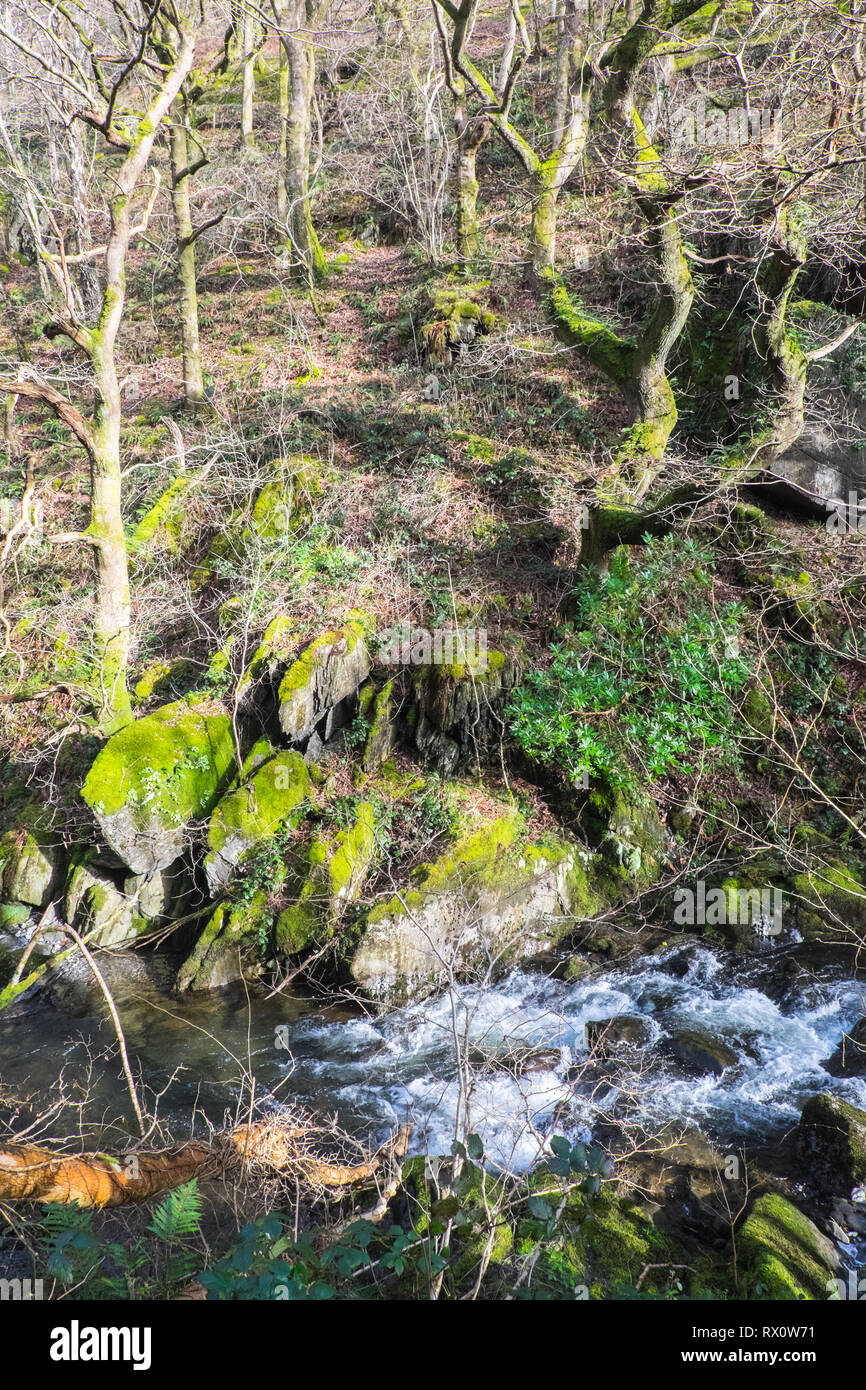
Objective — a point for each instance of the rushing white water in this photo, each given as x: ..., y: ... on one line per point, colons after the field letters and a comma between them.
x: 403, y: 1066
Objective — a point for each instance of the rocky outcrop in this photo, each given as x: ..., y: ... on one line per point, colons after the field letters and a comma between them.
x: 458, y: 710
x: 488, y: 902
x: 254, y: 812
x: 318, y: 693
x: 298, y: 907
x: 155, y: 777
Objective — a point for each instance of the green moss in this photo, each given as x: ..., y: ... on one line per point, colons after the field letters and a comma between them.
x: 164, y: 519
x: 229, y: 946
x: 161, y: 676
x: 834, y: 1135
x: 256, y: 810
x: 170, y: 764
x: 335, y: 874
x: 604, y: 348
x: 783, y: 1253
x: 301, y: 672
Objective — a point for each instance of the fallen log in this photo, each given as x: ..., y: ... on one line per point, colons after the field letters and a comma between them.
x: 34, y: 1173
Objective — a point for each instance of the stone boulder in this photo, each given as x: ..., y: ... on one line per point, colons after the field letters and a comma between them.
x: 98, y: 909
x: 698, y: 1053
x: 485, y: 904
x: 336, y: 871
x: 784, y: 1255
x: 318, y: 694
x: 607, y: 1035
x: 300, y: 906
x: 832, y: 1140
x: 849, y: 1059
x: 29, y: 863
x: 254, y: 812
x: 155, y: 777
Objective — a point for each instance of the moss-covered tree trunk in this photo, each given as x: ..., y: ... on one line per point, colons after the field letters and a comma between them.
x: 305, y: 251
x: 101, y: 435
x: 471, y: 135
x: 193, y: 386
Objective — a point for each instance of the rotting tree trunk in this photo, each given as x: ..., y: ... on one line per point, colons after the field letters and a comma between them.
x: 35, y: 1173
x: 193, y: 385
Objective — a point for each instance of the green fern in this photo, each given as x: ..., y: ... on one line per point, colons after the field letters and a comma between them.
x: 178, y: 1214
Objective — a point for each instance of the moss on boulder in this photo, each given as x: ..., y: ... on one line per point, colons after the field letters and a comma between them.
x: 155, y: 777
x: 254, y: 812
x: 832, y: 1138
x: 490, y: 899
x: 335, y: 874
x: 229, y: 948
x: 785, y: 1257
x: 319, y: 689
x: 29, y: 864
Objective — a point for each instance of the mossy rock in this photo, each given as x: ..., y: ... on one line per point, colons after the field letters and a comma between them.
x: 271, y: 658
x: 382, y: 733
x: 161, y: 528
x: 319, y: 690
x: 454, y: 321
x: 29, y: 865
x: 784, y: 1255
x: 98, y: 909
x: 829, y: 899
x: 13, y: 915
x: 282, y: 506
x: 163, y: 678
x: 457, y: 712
x: 334, y: 875
x: 489, y: 898
x: 832, y: 1138
x: 625, y: 826
x: 229, y: 948
x: 606, y: 1242
x: 254, y: 812
x: 155, y: 777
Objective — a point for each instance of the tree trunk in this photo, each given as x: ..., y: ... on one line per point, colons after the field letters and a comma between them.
x: 249, y: 81
x: 543, y: 228
x: 193, y: 386
x: 303, y: 244
x: 111, y: 628
x: 470, y: 137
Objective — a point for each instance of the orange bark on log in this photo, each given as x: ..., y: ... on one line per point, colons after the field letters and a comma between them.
x: 29, y: 1173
